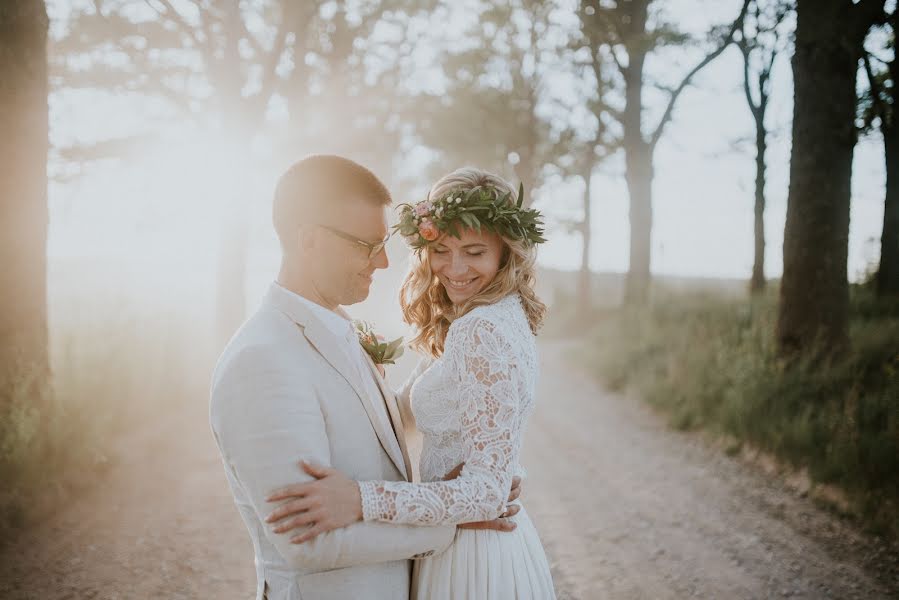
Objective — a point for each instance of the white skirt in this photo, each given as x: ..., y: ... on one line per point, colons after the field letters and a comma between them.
x: 487, y: 565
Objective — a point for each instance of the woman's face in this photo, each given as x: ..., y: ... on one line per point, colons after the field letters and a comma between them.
x: 466, y: 265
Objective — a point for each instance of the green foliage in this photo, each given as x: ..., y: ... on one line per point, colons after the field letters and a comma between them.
x: 877, y: 99
x: 476, y: 208
x: 711, y: 363
x: 382, y: 353
x: 491, y: 107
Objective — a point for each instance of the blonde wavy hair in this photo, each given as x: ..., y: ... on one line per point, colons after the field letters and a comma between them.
x: 423, y: 299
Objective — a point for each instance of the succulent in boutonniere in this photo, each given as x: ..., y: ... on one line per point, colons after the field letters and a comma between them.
x: 382, y: 353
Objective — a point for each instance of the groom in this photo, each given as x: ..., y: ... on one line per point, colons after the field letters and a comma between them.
x: 294, y: 384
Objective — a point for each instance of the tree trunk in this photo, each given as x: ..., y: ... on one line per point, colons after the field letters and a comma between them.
x: 757, y: 283
x: 584, y: 287
x: 638, y: 169
x: 888, y: 272
x: 887, y: 281
x: 638, y: 159
x: 23, y: 193
x: 639, y: 173
x: 814, y: 296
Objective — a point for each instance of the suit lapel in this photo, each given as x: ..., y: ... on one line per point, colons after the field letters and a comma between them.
x: 328, y: 346
x: 394, y: 411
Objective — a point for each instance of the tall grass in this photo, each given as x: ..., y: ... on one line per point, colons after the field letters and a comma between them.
x: 710, y: 362
x: 108, y: 373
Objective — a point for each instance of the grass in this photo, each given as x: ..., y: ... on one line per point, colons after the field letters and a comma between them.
x: 709, y: 362
x: 107, y: 374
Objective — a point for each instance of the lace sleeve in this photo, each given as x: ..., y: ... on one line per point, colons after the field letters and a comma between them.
x: 481, y: 360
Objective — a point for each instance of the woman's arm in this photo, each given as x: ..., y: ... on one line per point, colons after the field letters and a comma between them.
x: 480, y: 357
x: 486, y: 377
x: 264, y: 415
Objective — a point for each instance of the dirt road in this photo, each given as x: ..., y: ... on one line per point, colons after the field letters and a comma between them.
x: 626, y: 509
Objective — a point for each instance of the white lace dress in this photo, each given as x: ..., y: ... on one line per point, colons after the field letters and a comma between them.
x: 471, y: 405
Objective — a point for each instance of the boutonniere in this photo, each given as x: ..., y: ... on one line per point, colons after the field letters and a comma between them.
x: 382, y: 353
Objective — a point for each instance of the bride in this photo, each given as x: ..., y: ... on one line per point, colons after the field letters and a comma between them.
x: 469, y: 294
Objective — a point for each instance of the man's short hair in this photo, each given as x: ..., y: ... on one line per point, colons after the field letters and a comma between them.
x: 312, y: 188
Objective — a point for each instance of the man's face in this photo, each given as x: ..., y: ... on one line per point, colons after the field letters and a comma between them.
x: 342, y: 268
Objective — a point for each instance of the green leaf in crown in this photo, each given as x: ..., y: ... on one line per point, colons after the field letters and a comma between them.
x: 481, y: 207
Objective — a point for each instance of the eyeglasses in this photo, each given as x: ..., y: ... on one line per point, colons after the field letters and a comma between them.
x: 373, y: 249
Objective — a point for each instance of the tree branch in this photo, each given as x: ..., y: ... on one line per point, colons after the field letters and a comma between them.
x: 270, y: 67
x: 870, y: 10
x: 747, y: 88
x: 174, y: 16
x: 596, y: 67
x: 159, y: 12
x: 258, y: 50
x: 766, y: 73
x: 178, y: 19
x: 882, y: 61
x: 865, y: 14
x: 728, y: 39
x: 612, y: 28
x: 876, y: 98
x: 621, y: 68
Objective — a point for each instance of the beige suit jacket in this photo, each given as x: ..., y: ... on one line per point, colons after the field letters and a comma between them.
x: 283, y: 390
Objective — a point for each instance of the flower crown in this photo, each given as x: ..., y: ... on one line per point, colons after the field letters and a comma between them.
x: 480, y: 207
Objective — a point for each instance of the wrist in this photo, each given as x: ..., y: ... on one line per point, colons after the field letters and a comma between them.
x: 365, y: 504
x: 360, y: 513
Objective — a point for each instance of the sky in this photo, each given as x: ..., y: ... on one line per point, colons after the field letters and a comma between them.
x: 156, y: 218
x: 704, y: 188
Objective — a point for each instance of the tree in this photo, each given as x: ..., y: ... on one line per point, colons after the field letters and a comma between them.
x: 761, y: 40
x: 587, y: 148
x: 211, y: 70
x: 814, y: 295
x: 619, y: 31
x: 23, y: 192
x: 878, y: 105
x: 338, y: 103
x: 219, y: 64
x: 590, y: 135
x: 489, y: 110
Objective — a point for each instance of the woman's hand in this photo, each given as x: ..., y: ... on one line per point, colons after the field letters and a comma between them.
x: 501, y: 523
x: 330, y: 502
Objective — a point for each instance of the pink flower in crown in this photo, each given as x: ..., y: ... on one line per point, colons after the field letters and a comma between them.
x: 422, y: 208
x: 428, y: 230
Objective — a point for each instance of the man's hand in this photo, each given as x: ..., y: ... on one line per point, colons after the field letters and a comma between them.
x: 330, y: 501
x: 502, y: 523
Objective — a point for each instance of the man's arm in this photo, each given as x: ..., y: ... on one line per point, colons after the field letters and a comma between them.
x: 266, y: 419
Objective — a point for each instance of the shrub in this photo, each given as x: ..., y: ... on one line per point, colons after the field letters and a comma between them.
x: 710, y: 362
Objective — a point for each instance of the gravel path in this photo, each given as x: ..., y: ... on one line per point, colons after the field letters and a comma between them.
x: 626, y: 508
x: 629, y: 509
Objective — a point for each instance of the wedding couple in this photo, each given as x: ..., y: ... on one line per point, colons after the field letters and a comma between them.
x: 312, y: 437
